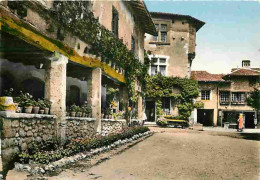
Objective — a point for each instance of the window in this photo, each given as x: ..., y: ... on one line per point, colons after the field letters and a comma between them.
x: 224, y: 97
x: 158, y: 66
x: 163, y: 36
x: 166, y: 105
x: 133, y: 44
x: 155, y: 38
x: 205, y: 95
x: 162, y: 70
x: 163, y: 27
x: 238, y: 98
x: 153, y: 70
x: 115, y: 22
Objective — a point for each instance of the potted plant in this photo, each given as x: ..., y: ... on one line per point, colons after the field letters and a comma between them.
x: 72, y: 110
x: 78, y: 111
x: 36, y: 107
x: 41, y: 105
x: 47, y: 106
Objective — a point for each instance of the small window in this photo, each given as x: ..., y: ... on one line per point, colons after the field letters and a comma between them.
x: 162, y: 70
x: 205, y: 95
x: 133, y: 44
x: 162, y: 60
x: 238, y: 97
x: 153, y: 70
x: 166, y: 105
x: 163, y: 27
x: 164, y: 36
x: 154, y: 60
x: 224, y: 97
x: 157, y: 27
x: 155, y: 38
x: 115, y: 22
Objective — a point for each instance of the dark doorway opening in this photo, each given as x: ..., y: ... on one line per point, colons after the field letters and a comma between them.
x: 249, y: 119
x: 35, y: 87
x: 205, y: 117
x: 150, y: 111
x: 74, y: 96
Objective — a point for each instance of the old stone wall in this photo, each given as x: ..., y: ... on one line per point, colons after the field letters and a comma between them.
x: 112, y: 126
x: 80, y: 127
x: 18, y: 129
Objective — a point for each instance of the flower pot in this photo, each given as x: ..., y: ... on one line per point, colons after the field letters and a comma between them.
x: 41, y: 111
x: 83, y: 114
x: 72, y: 114
x: 28, y: 109
x: 110, y: 117
x: 103, y: 115
x: 78, y: 114
x: 46, y: 110
x: 36, y: 110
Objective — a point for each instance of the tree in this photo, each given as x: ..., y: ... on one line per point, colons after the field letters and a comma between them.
x: 254, y: 101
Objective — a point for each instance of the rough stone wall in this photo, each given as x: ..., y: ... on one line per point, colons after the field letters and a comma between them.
x: 19, y: 130
x: 112, y: 126
x: 80, y: 127
x: 180, y: 42
x: 126, y: 24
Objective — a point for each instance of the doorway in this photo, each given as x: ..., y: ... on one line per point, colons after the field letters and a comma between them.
x: 205, y: 117
x: 249, y: 119
x: 150, y: 111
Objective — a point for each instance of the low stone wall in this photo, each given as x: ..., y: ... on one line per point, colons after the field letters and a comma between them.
x: 77, y: 127
x: 18, y: 129
x: 109, y: 126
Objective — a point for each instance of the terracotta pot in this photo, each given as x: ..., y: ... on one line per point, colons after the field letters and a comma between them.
x: 83, y: 114
x: 79, y: 114
x: 28, y: 109
x: 110, y: 117
x: 36, y: 110
x: 41, y: 111
x: 72, y: 114
x: 46, y: 110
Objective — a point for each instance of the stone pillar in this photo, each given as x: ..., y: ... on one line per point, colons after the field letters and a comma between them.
x: 94, y: 96
x: 140, y: 107
x: 195, y: 114
x: 55, y: 89
x: 1, y: 164
x: 123, y: 93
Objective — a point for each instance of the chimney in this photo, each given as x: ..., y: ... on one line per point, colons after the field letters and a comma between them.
x: 245, y: 63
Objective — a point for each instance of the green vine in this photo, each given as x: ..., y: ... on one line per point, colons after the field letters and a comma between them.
x: 159, y: 86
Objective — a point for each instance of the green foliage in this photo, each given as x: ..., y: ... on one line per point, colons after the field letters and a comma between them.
x: 159, y: 86
x: 75, y: 17
x: 159, y: 111
x: 49, y: 151
x: 199, y: 105
x: 24, y: 99
x: 162, y: 123
x: 254, y: 99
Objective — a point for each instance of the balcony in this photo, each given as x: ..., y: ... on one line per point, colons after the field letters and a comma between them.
x: 238, y: 102
x: 224, y: 102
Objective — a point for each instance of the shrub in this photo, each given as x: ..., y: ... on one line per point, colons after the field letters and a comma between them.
x: 49, y: 151
x: 162, y: 123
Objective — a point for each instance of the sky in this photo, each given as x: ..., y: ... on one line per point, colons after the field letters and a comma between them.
x: 231, y: 32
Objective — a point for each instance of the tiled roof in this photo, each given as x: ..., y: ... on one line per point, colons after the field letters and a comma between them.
x: 198, y: 23
x: 244, y: 72
x: 206, y: 76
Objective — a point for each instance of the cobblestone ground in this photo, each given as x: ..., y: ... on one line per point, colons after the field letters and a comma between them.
x: 179, y: 154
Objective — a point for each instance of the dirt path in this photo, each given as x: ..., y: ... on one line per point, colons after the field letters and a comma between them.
x: 178, y: 154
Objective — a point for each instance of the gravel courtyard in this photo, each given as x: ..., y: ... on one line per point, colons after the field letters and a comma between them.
x: 178, y: 154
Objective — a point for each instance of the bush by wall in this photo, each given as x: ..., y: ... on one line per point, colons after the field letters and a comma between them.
x: 49, y: 151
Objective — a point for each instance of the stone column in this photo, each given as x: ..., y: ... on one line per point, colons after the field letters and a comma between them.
x: 55, y: 89
x: 94, y: 96
x: 195, y: 114
x: 1, y: 164
x: 140, y: 107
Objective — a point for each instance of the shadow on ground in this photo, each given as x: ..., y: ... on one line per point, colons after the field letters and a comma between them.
x: 250, y: 136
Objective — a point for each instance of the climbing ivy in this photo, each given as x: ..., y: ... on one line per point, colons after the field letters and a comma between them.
x: 159, y: 86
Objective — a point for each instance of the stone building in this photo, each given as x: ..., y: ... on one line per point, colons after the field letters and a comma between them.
x: 225, y: 96
x: 47, y: 61
x: 172, y: 51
